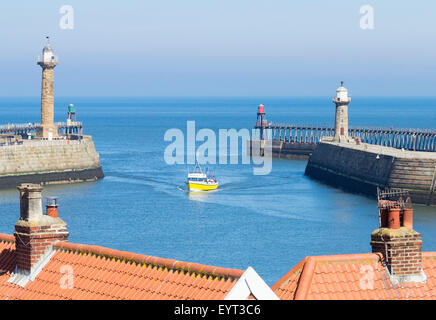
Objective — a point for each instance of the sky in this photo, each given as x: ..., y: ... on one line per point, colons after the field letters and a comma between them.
x: 175, y: 48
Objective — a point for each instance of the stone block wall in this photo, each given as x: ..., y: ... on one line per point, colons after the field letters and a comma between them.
x: 43, y: 161
x: 361, y: 171
x: 44, y: 156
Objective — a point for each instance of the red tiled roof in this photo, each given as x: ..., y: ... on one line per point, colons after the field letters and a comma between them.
x: 102, y: 273
x: 347, y: 277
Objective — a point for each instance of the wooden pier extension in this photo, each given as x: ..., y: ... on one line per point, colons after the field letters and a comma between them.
x: 30, y: 129
x: 294, y: 141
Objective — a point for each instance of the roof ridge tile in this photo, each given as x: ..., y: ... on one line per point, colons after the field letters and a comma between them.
x: 6, y: 237
x: 124, y: 256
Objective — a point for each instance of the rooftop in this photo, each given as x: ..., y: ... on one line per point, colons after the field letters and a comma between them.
x: 352, y: 277
x: 100, y: 273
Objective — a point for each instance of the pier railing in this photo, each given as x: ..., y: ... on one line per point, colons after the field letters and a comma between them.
x: 407, y: 139
x: 38, y: 143
x: 29, y: 129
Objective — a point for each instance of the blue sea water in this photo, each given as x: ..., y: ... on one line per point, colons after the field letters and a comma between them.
x: 268, y: 222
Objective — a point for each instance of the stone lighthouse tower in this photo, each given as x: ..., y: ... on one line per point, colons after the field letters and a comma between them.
x: 341, y: 121
x: 48, y: 61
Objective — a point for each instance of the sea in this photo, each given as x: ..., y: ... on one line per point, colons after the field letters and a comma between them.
x: 269, y: 222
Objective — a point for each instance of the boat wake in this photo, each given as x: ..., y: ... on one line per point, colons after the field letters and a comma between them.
x: 198, y: 191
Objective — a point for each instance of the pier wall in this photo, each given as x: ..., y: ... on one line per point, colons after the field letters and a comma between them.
x: 56, y: 161
x: 418, y: 176
x: 362, y: 171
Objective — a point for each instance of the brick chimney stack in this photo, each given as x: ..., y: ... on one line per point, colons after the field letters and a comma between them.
x: 35, y: 232
x: 399, y: 244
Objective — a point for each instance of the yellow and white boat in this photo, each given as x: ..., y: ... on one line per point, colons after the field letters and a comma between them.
x: 198, y: 180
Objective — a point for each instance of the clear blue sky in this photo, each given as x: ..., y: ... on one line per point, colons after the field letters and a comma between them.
x: 221, y: 48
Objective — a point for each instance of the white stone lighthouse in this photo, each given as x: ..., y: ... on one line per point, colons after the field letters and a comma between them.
x: 341, y: 121
x: 48, y: 61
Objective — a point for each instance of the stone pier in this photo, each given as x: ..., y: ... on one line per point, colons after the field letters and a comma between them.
x: 49, y: 162
x: 361, y: 168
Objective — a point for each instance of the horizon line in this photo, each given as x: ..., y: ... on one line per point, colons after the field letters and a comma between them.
x: 223, y: 96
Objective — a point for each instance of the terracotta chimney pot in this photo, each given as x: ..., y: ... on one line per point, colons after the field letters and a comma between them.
x: 394, y: 218
x: 408, y: 218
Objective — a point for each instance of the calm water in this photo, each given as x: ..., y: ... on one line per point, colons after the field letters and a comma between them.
x: 268, y: 222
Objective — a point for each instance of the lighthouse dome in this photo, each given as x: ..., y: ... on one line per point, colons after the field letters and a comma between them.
x: 342, y: 93
x: 48, y: 53
x: 47, y: 48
